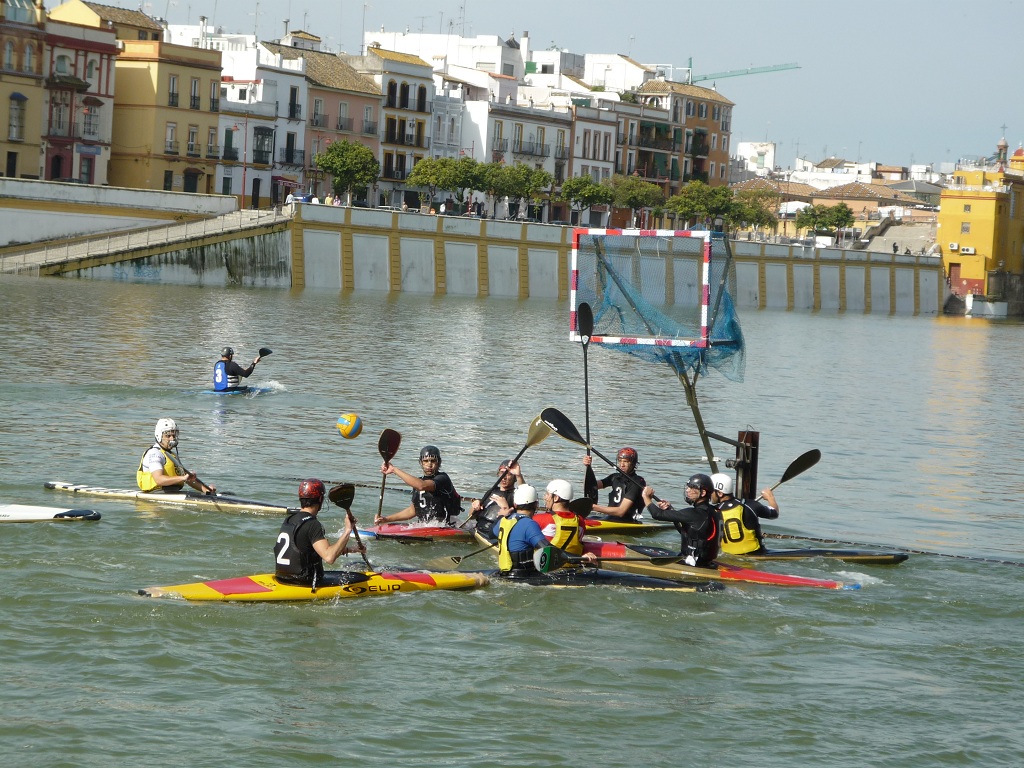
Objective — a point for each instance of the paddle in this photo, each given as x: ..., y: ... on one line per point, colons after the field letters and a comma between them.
x: 551, y: 558
x: 187, y: 471
x: 585, y: 326
x: 537, y: 433
x: 559, y: 423
x: 387, y: 447
x: 264, y: 351
x: 799, y: 465
x: 441, y: 563
x: 342, y: 495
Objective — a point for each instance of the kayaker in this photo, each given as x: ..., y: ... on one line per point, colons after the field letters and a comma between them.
x: 434, y: 498
x: 518, y: 534
x: 625, y: 499
x: 302, y: 546
x: 161, y: 469
x: 500, y: 500
x: 227, y: 374
x: 566, y: 528
x: 698, y: 527
x: 741, y: 529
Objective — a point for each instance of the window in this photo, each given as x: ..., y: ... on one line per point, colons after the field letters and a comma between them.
x: 211, y: 143
x: 965, y: 228
x: 586, y: 144
x: 451, y: 131
x: 725, y: 143
x: 702, y: 111
x: 716, y: 113
x: 225, y: 185
x: 62, y: 65
x: 168, y: 180
x: 16, y: 119
x: 171, y: 138
x: 193, y: 141
x: 90, y: 70
x: 172, y: 91
x: 967, y: 207
x: 91, y: 120
x: 193, y: 94
x: 9, y: 55
x: 517, y: 137
x: 20, y: 11
x: 28, y: 63
x: 689, y: 108
x: 85, y: 170
x: 714, y: 141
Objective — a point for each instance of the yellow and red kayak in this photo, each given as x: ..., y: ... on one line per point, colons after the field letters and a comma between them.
x: 337, y: 585
x: 598, y: 526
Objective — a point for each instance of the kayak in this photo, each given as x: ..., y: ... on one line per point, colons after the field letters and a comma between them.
x: 338, y: 585
x: 722, y: 571
x: 220, y: 502
x: 414, y: 532
x: 589, y: 577
x: 238, y: 391
x: 603, y: 525
x: 862, y: 556
x: 24, y: 513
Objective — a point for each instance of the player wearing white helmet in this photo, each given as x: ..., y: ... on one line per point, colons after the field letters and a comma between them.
x: 741, y: 529
x: 161, y: 469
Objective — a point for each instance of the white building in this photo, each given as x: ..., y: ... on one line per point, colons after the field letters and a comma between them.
x: 758, y: 157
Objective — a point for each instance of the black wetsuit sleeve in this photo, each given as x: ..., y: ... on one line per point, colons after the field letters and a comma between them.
x: 762, y: 510
x: 234, y: 369
x: 687, y: 515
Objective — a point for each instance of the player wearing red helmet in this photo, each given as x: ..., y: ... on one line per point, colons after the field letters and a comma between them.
x: 302, y: 546
x: 624, y: 498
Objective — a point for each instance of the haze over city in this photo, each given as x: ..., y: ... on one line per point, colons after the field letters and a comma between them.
x: 896, y: 82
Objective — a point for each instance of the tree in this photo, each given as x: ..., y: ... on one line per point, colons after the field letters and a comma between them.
x: 583, y: 192
x: 634, y: 193
x: 755, y: 208
x: 699, y: 203
x: 466, y: 177
x: 825, y: 218
x: 430, y: 174
x: 525, y: 182
x: 352, y: 165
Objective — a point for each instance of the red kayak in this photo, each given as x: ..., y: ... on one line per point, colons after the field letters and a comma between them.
x: 608, y: 551
x: 414, y: 532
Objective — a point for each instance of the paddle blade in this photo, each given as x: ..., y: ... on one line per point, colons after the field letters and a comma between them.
x: 388, y: 444
x: 264, y: 351
x: 581, y: 506
x: 801, y: 464
x: 585, y: 322
x: 559, y: 423
x: 590, y: 484
x: 342, y: 495
x: 538, y: 432
x: 549, y: 558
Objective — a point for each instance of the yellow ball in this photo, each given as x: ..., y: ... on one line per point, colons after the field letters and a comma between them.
x: 350, y: 425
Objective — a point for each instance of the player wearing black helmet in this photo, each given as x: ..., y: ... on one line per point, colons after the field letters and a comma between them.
x: 227, y: 374
x: 302, y: 545
x: 624, y: 498
x: 434, y: 498
x: 698, y: 527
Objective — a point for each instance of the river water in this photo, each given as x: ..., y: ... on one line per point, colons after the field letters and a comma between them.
x: 918, y: 420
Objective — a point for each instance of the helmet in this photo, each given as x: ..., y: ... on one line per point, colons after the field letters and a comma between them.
x: 561, y: 488
x: 525, y: 494
x: 431, y: 451
x: 629, y: 454
x: 312, y: 490
x: 164, y: 425
x: 505, y: 465
x: 701, y: 482
x: 722, y: 483
x: 227, y: 352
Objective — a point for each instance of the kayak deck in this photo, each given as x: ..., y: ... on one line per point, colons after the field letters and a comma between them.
x: 864, y: 557
x: 589, y: 577
x: 602, y: 525
x: 414, y: 532
x: 26, y: 513
x: 337, y: 585
x: 723, y: 571
x: 219, y: 502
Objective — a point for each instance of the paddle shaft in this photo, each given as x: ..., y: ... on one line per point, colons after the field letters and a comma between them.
x: 359, y: 541
x: 798, y: 466
x: 585, y: 323
x: 910, y: 551
x: 188, y: 472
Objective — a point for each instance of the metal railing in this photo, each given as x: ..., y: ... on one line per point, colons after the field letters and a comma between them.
x: 370, y: 127
x: 231, y: 153
x: 292, y: 156
x: 344, y: 124
x: 172, y: 99
x: 193, y: 102
x: 32, y: 258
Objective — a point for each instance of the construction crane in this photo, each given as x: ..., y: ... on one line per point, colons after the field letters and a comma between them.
x: 739, y: 72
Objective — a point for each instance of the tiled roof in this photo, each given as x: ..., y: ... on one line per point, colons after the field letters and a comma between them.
x: 404, y: 58
x: 326, y: 69
x: 684, y: 89
x: 124, y: 16
x: 859, y: 191
x: 304, y: 35
x: 790, y: 189
x: 831, y: 162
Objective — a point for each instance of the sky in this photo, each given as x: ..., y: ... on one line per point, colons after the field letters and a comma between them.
x: 899, y: 82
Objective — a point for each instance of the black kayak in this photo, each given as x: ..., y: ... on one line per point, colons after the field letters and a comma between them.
x: 862, y: 556
x: 588, y: 577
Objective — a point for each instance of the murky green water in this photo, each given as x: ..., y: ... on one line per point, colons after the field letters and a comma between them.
x: 921, y: 431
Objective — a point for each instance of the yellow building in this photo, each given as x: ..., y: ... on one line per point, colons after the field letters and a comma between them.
x: 127, y: 24
x: 981, y: 227
x: 22, y: 91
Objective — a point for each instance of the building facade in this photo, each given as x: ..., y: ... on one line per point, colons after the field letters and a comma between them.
x: 22, y: 91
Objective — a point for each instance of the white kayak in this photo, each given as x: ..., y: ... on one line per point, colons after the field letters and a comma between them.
x: 219, y: 501
x: 25, y: 513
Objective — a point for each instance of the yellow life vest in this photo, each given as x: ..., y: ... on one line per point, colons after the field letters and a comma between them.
x: 145, y: 479
x: 737, y: 538
x: 505, y: 527
x: 568, y: 536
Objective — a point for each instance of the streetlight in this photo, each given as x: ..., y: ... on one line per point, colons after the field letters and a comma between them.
x: 245, y: 141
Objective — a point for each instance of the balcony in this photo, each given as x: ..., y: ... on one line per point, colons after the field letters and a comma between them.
x: 294, y: 111
x: 562, y: 153
x: 193, y: 149
x: 344, y: 124
x: 319, y: 121
x: 261, y: 156
x: 533, y: 148
x: 231, y: 153
x: 171, y: 148
x: 62, y: 129
x: 172, y: 99
x: 393, y: 174
x: 656, y: 142
x: 213, y: 151
x: 405, y: 140
x: 698, y: 148
x: 292, y: 156
x: 499, y: 145
x: 215, y: 105
x: 369, y: 128
x: 193, y: 102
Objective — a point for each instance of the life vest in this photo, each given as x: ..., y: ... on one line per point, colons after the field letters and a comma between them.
x: 567, y: 537
x: 737, y: 538
x: 145, y: 479
x: 510, y: 561
x: 290, y: 562
x: 221, y: 380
